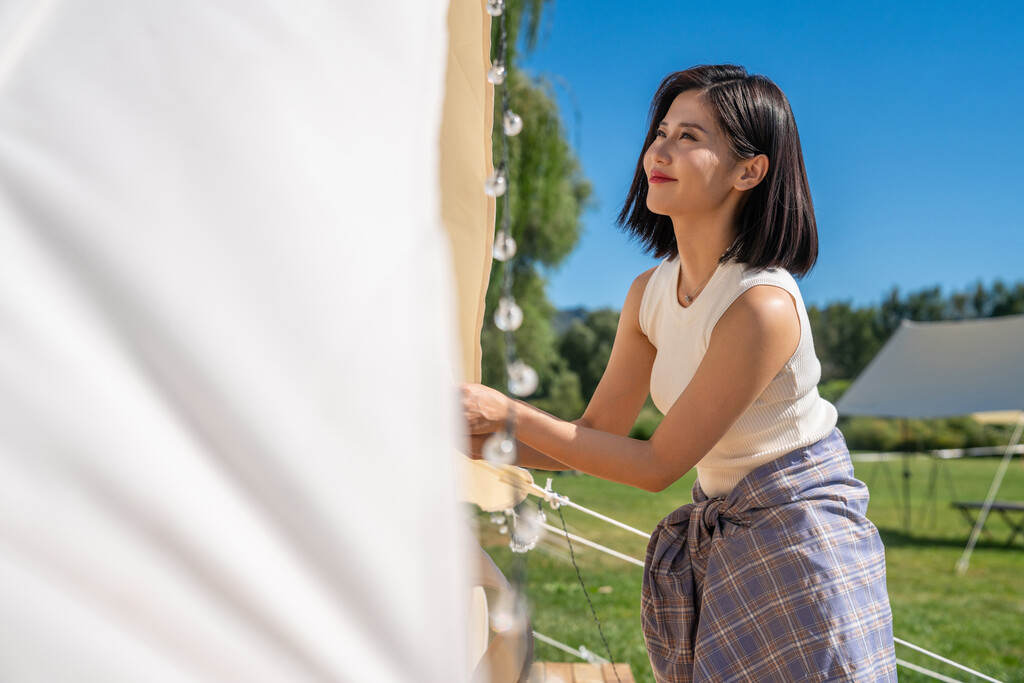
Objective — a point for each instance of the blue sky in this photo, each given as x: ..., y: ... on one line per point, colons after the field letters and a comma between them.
x: 911, y: 118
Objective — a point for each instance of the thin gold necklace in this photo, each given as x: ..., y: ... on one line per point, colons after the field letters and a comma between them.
x: 689, y: 297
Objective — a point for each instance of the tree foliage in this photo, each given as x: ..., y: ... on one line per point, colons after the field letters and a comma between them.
x: 587, y: 345
x: 522, y: 15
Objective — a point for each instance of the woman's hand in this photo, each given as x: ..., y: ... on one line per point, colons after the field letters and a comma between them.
x: 484, y: 408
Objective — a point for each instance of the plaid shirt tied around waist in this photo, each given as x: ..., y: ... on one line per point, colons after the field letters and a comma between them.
x: 782, y: 580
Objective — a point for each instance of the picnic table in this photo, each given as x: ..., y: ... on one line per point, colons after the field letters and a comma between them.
x: 1006, y: 509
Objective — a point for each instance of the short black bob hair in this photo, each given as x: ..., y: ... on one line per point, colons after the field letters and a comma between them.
x: 776, y: 220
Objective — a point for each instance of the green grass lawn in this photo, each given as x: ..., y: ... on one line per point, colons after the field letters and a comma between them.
x: 976, y: 620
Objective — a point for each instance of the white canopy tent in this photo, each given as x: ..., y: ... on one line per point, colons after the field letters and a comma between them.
x: 944, y: 369
x: 223, y: 250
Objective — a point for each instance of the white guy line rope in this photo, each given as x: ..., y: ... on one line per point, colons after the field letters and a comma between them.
x: 552, y: 496
x: 558, y: 499
x: 926, y: 672
x: 596, y: 546
x: 947, y: 661
x: 583, y: 653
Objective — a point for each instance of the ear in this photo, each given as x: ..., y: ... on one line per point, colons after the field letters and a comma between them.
x: 751, y: 172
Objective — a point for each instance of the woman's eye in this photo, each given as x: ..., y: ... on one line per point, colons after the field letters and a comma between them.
x: 660, y: 133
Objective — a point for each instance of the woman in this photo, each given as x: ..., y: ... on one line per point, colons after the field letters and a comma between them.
x: 772, y: 573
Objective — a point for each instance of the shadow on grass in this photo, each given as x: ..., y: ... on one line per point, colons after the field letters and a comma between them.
x: 896, y: 538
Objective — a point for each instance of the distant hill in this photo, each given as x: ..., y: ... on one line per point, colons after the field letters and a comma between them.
x: 562, y: 319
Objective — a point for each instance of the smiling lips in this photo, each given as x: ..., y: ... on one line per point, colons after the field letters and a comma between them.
x: 658, y: 177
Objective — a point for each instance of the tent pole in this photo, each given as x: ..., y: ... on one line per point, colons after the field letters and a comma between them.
x: 964, y: 561
x: 930, y: 491
x: 906, y: 476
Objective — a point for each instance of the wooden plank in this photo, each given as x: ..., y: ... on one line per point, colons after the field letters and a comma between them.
x: 587, y: 673
x: 625, y: 673
x: 558, y: 672
x: 562, y: 672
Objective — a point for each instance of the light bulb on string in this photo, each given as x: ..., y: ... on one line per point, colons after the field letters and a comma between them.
x: 522, y: 379
x: 504, y: 246
x: 495, y: 7
x: 509, y: 514
x: 527, y: 529
x: 508, y: 613
x: 499, y: 449
x: 496, y: 74
x: 508, y: 316
x: 496, y: 183
x: 513, y: 123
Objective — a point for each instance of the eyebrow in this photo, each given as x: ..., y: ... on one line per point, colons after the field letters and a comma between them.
x: 687, y: 125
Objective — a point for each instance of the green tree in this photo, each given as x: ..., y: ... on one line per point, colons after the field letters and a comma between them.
x: 587, y: 345
x: 844, y: 339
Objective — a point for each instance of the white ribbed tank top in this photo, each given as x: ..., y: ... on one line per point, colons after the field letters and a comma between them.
x: 789, y: 413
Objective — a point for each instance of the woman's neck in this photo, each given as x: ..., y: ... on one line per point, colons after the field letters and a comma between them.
x: 701, y: 245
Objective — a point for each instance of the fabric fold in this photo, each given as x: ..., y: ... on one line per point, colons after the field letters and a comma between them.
x: 781, y: 580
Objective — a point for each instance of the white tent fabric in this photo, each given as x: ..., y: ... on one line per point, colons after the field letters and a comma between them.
x: 942, y: 369
x: 227, y: 416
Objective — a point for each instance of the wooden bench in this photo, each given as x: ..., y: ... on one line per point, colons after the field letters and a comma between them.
x: 1005, y: 509
x: 562, y: 672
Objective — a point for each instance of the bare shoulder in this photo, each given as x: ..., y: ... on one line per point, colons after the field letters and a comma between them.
x: 641, y: 280
x: 635, y: 296
x: 766, y: 314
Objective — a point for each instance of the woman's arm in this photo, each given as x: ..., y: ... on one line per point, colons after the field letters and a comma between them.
x: 527, y: 456
x: 619, y: 395
x: 748, y: 347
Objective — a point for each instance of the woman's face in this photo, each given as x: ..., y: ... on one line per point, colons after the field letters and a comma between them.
x: 693, y: 153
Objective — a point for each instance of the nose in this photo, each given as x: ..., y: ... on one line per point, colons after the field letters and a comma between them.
x: 657, y: 151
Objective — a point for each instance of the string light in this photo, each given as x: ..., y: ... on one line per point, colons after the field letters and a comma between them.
x: 522, y: 379
x: 512, y: 123
x: 495, y: 7
x: 528, y: 529
x: 496, y: 74
x: 499, y: 449
x: 524, y: 525
x: 508, y: 613
x: 508, y: 316
x: 497, y: 183
x: 504, y: 246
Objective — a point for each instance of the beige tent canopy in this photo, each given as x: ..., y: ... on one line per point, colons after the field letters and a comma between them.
x: 940, y: 369
x: 948, y: 368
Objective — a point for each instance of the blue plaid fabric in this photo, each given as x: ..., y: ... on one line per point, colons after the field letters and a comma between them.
x: 782, y: 580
